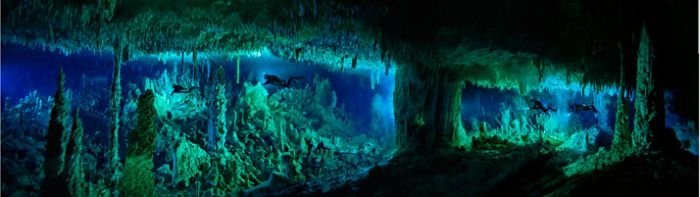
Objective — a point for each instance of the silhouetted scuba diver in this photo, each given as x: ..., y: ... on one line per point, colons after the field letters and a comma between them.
x: 274, y: 80
x: 583, y: 107
x: 309, y: 147
x: 180, y: 89
x: 539, y: 106
x: 322, y: 147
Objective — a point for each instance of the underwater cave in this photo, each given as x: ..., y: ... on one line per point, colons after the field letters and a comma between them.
x: 349, y: 98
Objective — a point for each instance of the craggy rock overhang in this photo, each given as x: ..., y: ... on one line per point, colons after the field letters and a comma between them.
x: 504, y: 44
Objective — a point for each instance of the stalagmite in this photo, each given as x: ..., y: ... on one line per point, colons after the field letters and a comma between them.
x: 74, y: 151
x: 54, y: 157
x: 194, y: 65
x: 622, y: 136
x: 427, y: 104
x: 220, y: 104
x: 138, y: 177
x: 115, y: 103
x: 646, y: 119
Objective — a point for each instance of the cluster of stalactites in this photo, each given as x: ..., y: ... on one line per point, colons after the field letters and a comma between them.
x: 107, y: 8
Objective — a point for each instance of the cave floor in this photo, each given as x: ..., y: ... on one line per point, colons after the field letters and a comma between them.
x: 516, y: 171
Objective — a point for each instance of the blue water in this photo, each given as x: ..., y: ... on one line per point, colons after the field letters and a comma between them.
x: 369, y: 110
x: 25, y: 70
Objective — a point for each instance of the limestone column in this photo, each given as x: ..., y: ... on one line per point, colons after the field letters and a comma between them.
x: 114, y: 108
x: 648, y: 119
x: 427, y: 104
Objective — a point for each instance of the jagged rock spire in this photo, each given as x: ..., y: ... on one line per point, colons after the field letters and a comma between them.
x: 54, y: 157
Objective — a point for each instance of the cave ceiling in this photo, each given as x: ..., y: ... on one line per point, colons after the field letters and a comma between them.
x: 581, y: 38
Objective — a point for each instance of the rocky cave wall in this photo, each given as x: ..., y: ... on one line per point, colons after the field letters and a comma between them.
x: 434, y: 44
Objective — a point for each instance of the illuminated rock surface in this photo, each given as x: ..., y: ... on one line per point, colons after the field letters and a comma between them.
x: 361, y: 98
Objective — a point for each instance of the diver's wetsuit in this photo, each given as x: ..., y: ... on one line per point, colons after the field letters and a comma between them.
x: 180, y: 89
x: 583, y: 107
x: 275, y: 80
x: 321, y: 147
x: 309, y: 147
x: 539, y: 106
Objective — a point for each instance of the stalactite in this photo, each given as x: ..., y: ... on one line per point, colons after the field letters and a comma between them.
x: 74, y: 151
x: 315, y: 7
x: 182, y: 60
x: 208, y: 70
x: 378, y: 78
x: 54, y: 157
x: 176, y: 70
x: 354, y: 62
x: 115, y: 103
x: 383, y: 52
x: 138, y: 177
x: 233, y: 134
x: 194, y: 65
x: 238, y: 69
x: 386, y: 68
x: 107, y: 8
x: 210, y: 134
x: 372, y: 79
